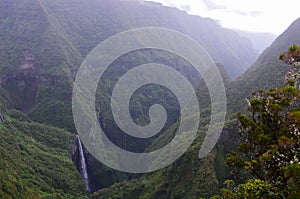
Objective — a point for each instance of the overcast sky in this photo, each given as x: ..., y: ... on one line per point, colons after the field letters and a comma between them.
x: 252, y: 15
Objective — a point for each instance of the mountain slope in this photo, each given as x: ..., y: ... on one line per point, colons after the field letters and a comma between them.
x: 35, y: 160
x: 260, y: 41
x: 268, y: 71
x: 98, y: 20
x: 43, y: 42
x: 36, y: 62
x: 180, y: 180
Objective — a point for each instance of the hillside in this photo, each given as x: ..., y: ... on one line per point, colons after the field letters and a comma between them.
x: 35, y: 160
x: 190, y: 177
x: 260, y: 41
x: 43, y: 42
x: 267, y: 71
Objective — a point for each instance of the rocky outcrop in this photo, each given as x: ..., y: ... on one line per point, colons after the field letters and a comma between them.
x: 1, y: 118
x: 28, y: 60
x: 23, y: 84
x: 74, y: 150
x: 28, y: 74
x: 28, y: 71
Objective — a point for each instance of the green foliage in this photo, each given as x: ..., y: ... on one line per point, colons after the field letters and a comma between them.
x: 188, y: 178
x: 292, y: 172
x: 34, y: 161
x: 293, y: 48
x: 53, y: 105
x: 267, y: 72
x: 270, y: 145
x: 59, y: 34
x: 215, y: 197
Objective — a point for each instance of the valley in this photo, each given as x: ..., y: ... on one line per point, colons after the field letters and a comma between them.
x: 44, y: 43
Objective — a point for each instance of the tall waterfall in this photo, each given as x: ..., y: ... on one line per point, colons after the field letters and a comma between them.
x: 83, y: 170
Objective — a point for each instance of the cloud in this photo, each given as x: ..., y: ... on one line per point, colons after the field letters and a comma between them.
x: 211, y: 5
x: 187, y: 8
x: 241, y: 9
x: 249, y: 15
x: 255, y: 13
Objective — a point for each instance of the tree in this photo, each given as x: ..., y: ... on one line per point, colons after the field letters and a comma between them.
x: 268, y: 161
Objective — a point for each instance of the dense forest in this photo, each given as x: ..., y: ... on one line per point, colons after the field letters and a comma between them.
x: 44, y: 43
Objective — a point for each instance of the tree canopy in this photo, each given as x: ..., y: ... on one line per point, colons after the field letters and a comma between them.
x: 267, y: 164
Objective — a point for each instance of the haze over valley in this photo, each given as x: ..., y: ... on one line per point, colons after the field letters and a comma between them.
x: 133, y: 99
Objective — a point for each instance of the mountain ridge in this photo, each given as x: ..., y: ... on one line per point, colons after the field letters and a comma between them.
x: 267, y: 71
x: 59, y: 34
x: 262, y: 75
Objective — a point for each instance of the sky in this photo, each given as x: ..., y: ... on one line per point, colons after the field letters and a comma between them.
x: 250, y: 15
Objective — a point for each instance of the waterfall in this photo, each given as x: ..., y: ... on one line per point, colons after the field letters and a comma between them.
x: 83, y: 169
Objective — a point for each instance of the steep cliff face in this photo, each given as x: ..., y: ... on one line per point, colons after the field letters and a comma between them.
x: 99, y: 176
x: 1, y: 118
x: 184, y: 178
x: 34, y: 161
x: 268, y: 71
x: 45, y: 41
x: 23, y: 85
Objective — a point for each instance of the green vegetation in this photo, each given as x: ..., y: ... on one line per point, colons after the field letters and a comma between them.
x: 270, y: 142
x: 35, y: 161
x: 266, y: 73
x: 59, y: 34
x: 186, y: 178
x: 34, y: 157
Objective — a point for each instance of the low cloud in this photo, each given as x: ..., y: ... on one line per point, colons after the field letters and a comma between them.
x: 211, y: 5
x: 249, y: 15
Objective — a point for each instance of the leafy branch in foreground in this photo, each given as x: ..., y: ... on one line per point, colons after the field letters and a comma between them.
x: 268, y: 161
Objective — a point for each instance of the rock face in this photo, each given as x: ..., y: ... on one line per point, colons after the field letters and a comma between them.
x: 27, y: 71
x: 28, y: 60
x: 98, y: 175
x: 23, y: 84
x: 27, y: 74
x: 74, y: 150
x: 1, y: 118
